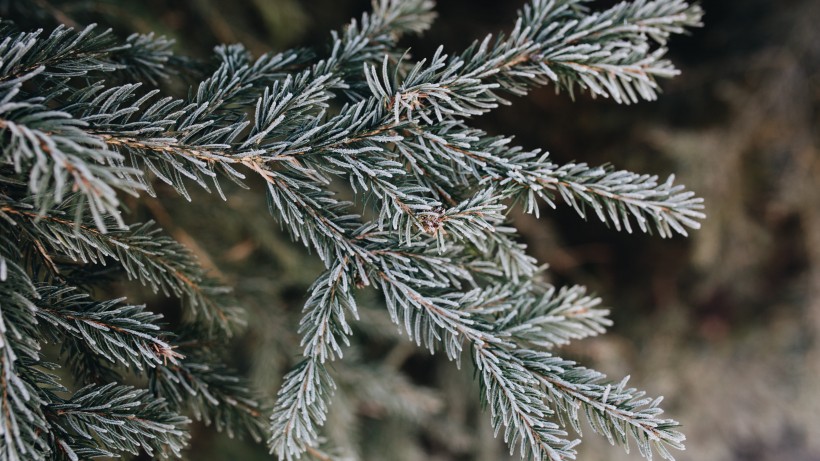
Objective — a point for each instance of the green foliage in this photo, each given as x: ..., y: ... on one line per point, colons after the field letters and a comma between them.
x: 424, y: 225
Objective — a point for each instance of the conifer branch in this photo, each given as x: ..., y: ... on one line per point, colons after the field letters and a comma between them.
x: 439, y: 251
x: 302, y: 405
x: 178, y: 142
x: 555, y: 317
x: 613, y: 410
x: 154, y: 260
x: 58, y: 156
x: 124, y: 419
x: 591, y: 50
x: 146, y: 58
x: 325, y: 325
x: 21, y: 417
x: 513, y: 378
x: 202, y: 386
x: 616, y: 197
x: 517, y: 406
x: 63, y: 53
x: 121, y: 333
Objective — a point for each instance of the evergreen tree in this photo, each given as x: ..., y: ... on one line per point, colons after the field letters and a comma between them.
x: 367, y: 158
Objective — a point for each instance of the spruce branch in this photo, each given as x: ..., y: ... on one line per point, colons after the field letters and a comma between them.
x: 63, y: 53
x: 122, y: 418
x: 609, y: 52
x: 301, y: 407
x: 514, y: 379
x: 122, y: 334
x: 442, y: 75
x: 147, y: 256
x: 397, y: 17
x: 146, y: 58
x: 212, y: 392
x: 619, y: 196
x: 515, y: 392
x: 173, y: 147
x: 613, y: 410
x: 374, y: 36
x: 617, y: 414
x: 324, y: 327
x: 554, y: 318
x: 297, y: 413
x: 504, y: 256
x: 512, y: 394
x: 21, y: 417
x: 169, y: 138
x: 428, y: 319
x: 517, y: 406
x: 58, y: 156
x: 616, y: 197
x: 439, y: 252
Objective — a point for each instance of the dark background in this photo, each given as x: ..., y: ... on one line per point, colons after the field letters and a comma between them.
x: 726, y: 323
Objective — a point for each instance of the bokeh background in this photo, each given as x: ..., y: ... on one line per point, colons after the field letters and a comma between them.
x: 725, y: 324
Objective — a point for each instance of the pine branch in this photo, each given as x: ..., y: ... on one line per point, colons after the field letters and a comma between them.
x: 514, y: 400
x: 619, y: 196
x: 170, y: 138
x: 375, y: 36
x: 513, y: 377
x: 161, y: 115
x: 512, y: 395
x: 609, y: 53
x: 502, y: 255
x: 33, y: 415
x: 469, y: 221
x: 313, y: 216
x: 438, y: 61
x: 397, y: 17
x: 612, y: 411
x: 178, y: 142
x: 303, y: 398
x: 407, y: 100
x: 400, y: 274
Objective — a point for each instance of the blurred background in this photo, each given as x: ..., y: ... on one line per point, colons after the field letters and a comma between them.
x: 725, y: 324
